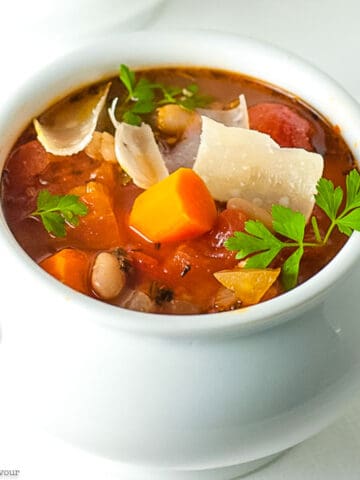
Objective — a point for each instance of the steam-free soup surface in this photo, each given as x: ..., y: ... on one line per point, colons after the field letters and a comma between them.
x: 175, y: 276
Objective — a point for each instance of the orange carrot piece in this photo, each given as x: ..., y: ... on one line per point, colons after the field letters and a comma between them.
x: 98, y: 229
x: 176, y: 208
x: 70, y: 266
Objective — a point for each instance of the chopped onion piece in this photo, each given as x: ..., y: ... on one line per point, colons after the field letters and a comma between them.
x: 237, y: 162
x: 139, y: 301
x: 138, y: 154
x: 226, y: 300
x: 180, y: 307
x: 68, y: 127
x: 249, y: 285
x: 233, y: 117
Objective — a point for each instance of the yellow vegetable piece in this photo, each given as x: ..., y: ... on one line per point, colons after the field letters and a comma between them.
x: 249, y: 285
x: 68, y: 127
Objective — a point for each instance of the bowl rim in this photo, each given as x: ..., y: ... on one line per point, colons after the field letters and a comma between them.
x: 246, y: 320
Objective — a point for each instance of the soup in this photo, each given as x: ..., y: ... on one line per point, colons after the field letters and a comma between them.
x: 194, y: 194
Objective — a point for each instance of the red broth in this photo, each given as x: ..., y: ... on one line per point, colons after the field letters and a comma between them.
x: 174, y: 277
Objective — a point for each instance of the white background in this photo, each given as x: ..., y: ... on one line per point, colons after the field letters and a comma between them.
x: 325, y: 32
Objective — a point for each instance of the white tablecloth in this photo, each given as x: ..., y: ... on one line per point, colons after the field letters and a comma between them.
x: 327, y: 33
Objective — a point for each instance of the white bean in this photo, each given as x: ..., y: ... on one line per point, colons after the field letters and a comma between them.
x: 107, y: 278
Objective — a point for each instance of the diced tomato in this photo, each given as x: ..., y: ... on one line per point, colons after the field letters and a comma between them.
x: 229, y: 221
x: 21, y: 184
x: 143, y: 262
x: 189, y: 271
x: 182, y: 261
x: 207, y: 254
x: 66, y: 172
x: 26, y: 162
x: 191, y: 265
x: 283, y: 124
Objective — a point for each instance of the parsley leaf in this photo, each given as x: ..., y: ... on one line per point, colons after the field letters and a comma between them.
x: 257, y: 239
x: 264, y: 246
x: 131, y: 118
x: 328, y: 198
x: 144, y: 97
x: 144, y: 90
x: 57, y: 210
x: 259, y: 246
x: 290, y: 269
x: 128, y: 78
x: 53, y: 223
x: 352, y: 190
x: 288, y: 223
x: 349, y: 222
x: 143, y: 106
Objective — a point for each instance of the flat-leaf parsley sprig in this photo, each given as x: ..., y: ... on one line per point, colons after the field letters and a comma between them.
x: 57, y: 210
x: 259, y: 246
x: 143, y: 96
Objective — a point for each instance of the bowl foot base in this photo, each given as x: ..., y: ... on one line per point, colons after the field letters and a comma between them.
x: 232, y: 472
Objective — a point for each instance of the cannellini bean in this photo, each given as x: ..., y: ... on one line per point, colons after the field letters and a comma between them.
x: 173, y: 119
x: 107, y: 278
x: 253, y: 211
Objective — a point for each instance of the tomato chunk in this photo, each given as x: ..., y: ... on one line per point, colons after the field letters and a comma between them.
x: 21, y: 174
x: 283, y: 124
x: 229, y: 221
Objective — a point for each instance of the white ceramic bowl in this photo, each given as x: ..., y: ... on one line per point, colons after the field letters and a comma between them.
x: 192, y: 397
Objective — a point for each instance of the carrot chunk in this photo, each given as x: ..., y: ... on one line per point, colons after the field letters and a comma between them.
x: 70, y: 266
x: 98, y: 229
x: 176, y: 208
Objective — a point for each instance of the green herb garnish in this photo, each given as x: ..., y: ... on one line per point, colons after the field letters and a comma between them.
x: 144, y: 96
x: 57, y: 210
x: 260, y: 246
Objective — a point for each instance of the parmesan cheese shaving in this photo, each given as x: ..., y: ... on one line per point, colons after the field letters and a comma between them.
x: 237, y: 162
x: 138, y: 154
x: 233, y: 117
x: 68, y: 127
